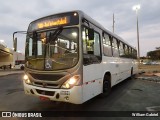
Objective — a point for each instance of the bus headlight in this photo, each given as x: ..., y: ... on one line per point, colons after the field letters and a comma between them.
x: 26, y: 79
x: 71, y: 82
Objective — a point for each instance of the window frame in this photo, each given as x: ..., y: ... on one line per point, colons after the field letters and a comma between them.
x: 116, y: 46
x: 100, y: 44
x: 104, y: 43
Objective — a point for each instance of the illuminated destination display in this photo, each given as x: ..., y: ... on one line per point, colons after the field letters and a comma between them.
x: 53, y: 22
x: 65, y: 19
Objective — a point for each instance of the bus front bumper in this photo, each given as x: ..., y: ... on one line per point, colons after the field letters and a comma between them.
x: 73, y: 95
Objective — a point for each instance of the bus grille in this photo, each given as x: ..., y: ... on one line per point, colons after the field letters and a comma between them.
x: 49, y: 85
x: 49, y: 93
x: 47, y: 77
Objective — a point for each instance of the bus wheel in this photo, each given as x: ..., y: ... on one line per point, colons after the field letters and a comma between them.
x: 106, y: 86
x: 132, y: 76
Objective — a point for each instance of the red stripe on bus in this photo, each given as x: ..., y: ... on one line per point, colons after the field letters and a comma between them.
x: 86, y: 83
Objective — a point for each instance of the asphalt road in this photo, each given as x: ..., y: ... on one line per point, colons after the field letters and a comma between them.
x: 129, y: 95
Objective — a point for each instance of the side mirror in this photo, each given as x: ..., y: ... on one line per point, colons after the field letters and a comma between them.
x: 91, y: 34
x: 15, y: 44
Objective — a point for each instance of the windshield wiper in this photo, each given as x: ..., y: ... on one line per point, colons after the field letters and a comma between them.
x: 53, y: 36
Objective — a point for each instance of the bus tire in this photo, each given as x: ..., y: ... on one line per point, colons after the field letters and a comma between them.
x: 132, y: 76
x: 106, y: 86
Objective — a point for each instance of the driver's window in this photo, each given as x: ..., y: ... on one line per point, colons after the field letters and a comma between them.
x: 91, y: 48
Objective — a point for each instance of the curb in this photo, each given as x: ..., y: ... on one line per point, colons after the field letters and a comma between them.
x: 11, y: 73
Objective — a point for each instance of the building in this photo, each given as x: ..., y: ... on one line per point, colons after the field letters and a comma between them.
x: 8, y: 57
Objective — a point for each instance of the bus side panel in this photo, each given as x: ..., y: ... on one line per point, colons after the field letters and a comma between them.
x: 92, y: 81
x: 125, y: 68
x: 135, y: 66
x: 111, y: 65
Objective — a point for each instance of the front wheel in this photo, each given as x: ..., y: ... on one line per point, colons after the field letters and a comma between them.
x: 106, y: 86
x: 132, y: 75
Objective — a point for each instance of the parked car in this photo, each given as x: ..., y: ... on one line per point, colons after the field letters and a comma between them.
x: 146, y: 63
x: 151, y: 63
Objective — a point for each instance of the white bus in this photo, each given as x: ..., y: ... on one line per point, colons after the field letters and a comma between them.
x: 69, y: 57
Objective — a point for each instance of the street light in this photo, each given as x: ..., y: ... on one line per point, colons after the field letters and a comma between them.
x: 136, y: 8
x: 1, y: 41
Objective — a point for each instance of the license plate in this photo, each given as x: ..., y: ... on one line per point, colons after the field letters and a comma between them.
x: 43, y: 98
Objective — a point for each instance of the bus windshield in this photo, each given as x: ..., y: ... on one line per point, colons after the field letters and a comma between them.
x: 53, y: 49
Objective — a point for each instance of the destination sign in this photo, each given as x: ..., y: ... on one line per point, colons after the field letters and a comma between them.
x: 64, y: 19
x: 53, y: 22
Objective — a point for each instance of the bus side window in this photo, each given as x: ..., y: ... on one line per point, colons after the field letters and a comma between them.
x: 126, y: 50
x: 121, y: 49
x: 134, y: 54
x: 115, y: 48
x: 107, y: 45
x: 96, y: 44
x: 129, y: 52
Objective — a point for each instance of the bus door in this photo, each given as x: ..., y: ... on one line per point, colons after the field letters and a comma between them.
x: 92, y: 69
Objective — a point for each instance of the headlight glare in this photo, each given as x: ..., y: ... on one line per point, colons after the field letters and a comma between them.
x: 25, y: 77
x: 27, y: 81
x: 71, y: 82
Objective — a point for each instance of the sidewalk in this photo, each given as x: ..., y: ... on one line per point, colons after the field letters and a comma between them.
x: 149, y: 68
x: 8, y: 72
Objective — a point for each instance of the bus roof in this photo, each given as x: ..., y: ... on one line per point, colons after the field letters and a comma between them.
x: 104, y: 29
x: 83, y: 15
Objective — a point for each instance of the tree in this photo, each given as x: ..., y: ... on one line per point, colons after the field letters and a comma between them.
x: 154, y: 55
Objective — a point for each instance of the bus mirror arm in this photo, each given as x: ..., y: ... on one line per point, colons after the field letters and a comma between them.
x: 15, y: 44
x: 15, y: 39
